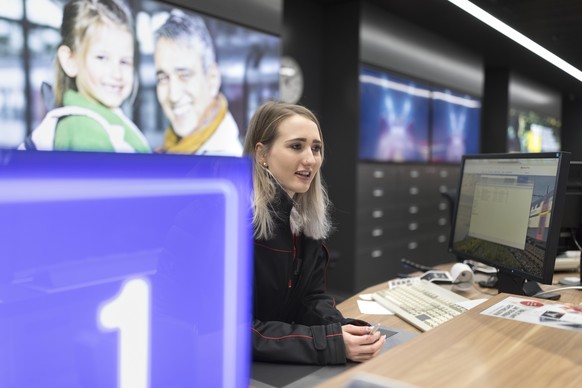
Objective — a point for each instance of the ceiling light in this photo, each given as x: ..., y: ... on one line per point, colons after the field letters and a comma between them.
x: 518, y: 37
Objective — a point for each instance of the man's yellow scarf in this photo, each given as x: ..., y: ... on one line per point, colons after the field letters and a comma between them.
x: 191, y: 143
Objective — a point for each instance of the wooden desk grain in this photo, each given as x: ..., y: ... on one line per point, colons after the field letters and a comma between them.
x: 478, y: 351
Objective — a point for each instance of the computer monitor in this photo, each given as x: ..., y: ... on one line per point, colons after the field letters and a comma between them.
x: 124, y: 270
x: 508, y: 215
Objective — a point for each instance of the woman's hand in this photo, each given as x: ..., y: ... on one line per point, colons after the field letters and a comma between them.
x: 360, y: 344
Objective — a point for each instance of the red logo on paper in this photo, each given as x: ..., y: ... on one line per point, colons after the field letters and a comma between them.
x: 531, y: 303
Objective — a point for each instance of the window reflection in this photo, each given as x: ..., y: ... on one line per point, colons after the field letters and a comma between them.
x: 42, y: 43
x: 11, y: 10
x: 12, y: 98
x: 45, y: 12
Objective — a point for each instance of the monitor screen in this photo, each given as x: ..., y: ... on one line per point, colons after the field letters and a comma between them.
x: 508, y: 214
x: 394, y: 118
x: 124, y: 270
x: 248, y: 60
x: 529, y: 131
x: 455, y: 126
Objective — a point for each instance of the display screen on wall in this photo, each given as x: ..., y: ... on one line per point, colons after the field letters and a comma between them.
x: 402, y: 120
x: 529, y: 131
x: 455, y: 125
x: 248, y: 63
x: 394, y: 118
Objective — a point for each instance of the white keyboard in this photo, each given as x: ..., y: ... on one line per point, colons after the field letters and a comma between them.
x: 402, y: 281
x: 421, y: 303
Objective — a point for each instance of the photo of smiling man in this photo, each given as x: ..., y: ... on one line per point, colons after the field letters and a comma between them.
x: 188, y: 89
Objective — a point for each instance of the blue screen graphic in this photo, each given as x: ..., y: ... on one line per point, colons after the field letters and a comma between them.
x: 455, y: 126
x: 394, y: 118
x: 123, y: 270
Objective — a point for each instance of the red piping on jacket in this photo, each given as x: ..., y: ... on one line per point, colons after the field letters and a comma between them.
x: 292, y: 336
x: 289, y: 281
x: 271, y: 249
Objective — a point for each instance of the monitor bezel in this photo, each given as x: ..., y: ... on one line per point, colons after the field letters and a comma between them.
x: 63, y: 177
x: 555, y: 220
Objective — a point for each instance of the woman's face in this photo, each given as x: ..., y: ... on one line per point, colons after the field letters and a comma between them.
x: 295, y: 156
x: 106, y: 66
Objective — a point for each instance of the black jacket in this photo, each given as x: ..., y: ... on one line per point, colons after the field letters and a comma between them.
x: 294, y: 319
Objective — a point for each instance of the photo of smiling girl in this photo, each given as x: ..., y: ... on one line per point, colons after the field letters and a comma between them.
x: 95, y: 74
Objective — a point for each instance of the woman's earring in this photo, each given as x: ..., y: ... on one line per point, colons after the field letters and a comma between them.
x: 265, y: 165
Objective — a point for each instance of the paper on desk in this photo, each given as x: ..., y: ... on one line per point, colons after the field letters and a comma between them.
x: 471, y: 303
x: 373, y: 308
x: 562, y: 316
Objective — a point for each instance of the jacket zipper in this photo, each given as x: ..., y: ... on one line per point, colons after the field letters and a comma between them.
x: 289, y: 290
x: 290, y: 280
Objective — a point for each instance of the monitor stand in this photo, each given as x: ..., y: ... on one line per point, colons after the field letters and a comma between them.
x: 517, y: 285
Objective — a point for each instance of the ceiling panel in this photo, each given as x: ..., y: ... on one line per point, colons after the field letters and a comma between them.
x: 554, y: 24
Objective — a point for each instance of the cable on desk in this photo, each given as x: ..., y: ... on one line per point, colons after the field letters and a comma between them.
x: 481, y: 291
x: 573, y: 234
x: 558, y: 289
x: 411, y: 264
x: 491, y: 281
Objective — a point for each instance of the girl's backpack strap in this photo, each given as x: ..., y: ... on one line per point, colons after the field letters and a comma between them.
x: 43, y: 136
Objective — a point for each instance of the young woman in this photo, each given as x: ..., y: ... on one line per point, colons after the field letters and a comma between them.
x: 294, y: 319
x: 94, y: 75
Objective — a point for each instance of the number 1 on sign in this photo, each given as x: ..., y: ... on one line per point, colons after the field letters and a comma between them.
x: 129, y: 313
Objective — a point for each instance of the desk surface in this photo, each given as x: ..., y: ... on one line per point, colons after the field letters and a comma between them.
x: 349, y: 307
x: 476, y: 350
x: 466, y: 353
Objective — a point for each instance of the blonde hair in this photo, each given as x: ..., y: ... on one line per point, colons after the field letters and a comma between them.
x: 310, y: 214
x: 80, y: 19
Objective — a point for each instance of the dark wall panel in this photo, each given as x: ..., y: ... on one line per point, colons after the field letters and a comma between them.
x: 303, y: 40
x: 572, y: 125
x: 341, y: 120
x: 494, y: 110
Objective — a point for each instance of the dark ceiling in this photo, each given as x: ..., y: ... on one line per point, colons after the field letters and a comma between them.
x: 554, y: 24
